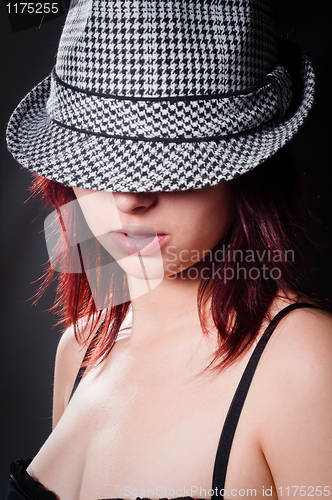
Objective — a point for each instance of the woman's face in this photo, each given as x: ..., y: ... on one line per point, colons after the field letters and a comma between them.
x: 165, y: 233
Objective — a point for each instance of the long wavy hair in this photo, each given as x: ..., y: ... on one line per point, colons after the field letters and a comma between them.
x: 257, y: 259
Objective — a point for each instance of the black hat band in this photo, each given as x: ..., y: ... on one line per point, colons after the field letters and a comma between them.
x: 178, y: 119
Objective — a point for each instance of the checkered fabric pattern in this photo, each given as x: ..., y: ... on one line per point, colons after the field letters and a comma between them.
x: 166, y: 47
x: 173, y: 120
x: 151, y: 95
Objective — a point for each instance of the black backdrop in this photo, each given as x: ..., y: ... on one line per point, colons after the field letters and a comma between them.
x: 28, y: 341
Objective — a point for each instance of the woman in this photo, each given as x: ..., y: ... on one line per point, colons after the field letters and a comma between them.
x: 151, y: 108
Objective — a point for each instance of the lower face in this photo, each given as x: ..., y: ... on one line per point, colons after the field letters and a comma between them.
x: 157, y: 235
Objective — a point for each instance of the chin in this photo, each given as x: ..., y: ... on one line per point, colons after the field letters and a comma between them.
x: 142, y: 267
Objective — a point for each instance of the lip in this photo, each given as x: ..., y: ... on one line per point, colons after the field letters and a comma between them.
x: 139, y: 240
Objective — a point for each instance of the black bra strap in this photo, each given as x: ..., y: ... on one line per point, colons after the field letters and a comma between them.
x: 233, y: 415
x: 81, y: 370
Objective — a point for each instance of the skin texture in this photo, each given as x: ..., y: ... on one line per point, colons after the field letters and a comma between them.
x: 146, y: 416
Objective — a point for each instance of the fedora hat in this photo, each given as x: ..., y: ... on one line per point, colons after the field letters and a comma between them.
x: 162, y: 95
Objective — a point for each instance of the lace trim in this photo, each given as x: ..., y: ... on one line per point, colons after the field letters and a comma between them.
x: 27, y: 483
x: 36, y: 490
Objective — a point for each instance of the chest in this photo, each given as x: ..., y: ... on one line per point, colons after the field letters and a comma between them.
x: 142, y: 432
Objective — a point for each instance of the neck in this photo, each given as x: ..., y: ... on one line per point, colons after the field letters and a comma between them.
x: 165, y: 311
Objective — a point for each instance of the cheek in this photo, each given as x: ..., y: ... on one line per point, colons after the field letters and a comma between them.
x: 220, y: 211
x: 99, y: 211
x: 202, y: 221
x: 218, y: 221
x: 209, y: 216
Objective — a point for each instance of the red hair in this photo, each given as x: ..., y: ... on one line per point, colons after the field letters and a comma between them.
x: 267, y: 218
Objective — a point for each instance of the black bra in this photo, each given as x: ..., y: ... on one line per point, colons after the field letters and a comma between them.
x: 23, y: 487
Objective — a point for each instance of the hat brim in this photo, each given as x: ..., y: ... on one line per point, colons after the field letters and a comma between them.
x: 101, y: 163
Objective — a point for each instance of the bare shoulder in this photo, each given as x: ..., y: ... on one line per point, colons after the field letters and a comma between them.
x: 296, y: 431
x: 302, y: 343
x: 69, y: 356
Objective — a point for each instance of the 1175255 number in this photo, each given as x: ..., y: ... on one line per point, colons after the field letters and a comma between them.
x: 33, y: 8
x: 309, y: 491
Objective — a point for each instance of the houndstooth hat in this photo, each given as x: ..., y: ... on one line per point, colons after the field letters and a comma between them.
x: 162, y: 95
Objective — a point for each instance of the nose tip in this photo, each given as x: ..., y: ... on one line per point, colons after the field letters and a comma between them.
x: 134, y: 202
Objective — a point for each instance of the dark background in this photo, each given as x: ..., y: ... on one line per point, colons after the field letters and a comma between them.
x: 28, y: 341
